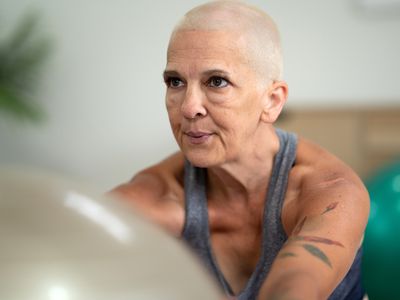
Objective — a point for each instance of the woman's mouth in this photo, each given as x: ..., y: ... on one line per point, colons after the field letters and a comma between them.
x: 198, y: 137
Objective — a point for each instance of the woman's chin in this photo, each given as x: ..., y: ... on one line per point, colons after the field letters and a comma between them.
x: 201, y: 160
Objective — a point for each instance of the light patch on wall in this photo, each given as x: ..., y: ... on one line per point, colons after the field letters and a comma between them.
x: 58, y: 293
x: 380, y: 5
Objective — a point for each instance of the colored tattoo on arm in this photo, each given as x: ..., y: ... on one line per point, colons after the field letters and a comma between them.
x: 316, y: 239
x: 287, y: 254
x: 330, y: 207
x: 310, y: 248
x: 283, y: 296
x: 298, y: 228
x: 315, y: 251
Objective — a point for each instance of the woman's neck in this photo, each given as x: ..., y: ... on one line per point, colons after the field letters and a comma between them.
x: 247, y: 177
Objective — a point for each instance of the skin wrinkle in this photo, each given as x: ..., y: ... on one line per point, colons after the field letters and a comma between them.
x: 179, y: 53
x: 332, y: 183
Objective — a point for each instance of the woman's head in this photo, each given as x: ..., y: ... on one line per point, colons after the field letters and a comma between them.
x: 219, y: 101
x: 262, y: 40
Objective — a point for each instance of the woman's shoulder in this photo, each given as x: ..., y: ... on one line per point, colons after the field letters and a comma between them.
x: 157, y: 192
x: 317, y: 163
x: 317, y: 180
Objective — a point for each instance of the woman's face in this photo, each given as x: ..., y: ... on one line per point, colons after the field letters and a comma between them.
x: 214, y: 98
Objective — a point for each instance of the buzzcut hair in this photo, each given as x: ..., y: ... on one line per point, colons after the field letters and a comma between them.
x: 263, y: 46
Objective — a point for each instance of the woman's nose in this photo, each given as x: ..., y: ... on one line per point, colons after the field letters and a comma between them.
x: 193, y: 103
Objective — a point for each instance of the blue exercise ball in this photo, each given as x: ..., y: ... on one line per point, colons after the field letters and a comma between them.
x: 381, y: 260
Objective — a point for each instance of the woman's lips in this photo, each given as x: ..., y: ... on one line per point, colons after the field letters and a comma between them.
x: 198, y: 137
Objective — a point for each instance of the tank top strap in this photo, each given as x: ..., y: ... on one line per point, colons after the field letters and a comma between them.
x: 274, y: 235
x: 196, y: 229
x: 273, y: 231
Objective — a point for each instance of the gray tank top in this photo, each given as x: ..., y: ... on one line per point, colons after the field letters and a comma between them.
x: 196, y: 230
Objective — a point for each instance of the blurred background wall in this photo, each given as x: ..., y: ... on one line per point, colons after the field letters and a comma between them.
x: 103, y: 93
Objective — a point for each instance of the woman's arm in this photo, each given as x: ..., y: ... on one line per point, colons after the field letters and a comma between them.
x: 331, y: 215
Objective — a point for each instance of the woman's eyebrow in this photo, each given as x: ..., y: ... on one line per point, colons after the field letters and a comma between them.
x: 207, y: 73
x: 216, y: 72
x: 170, y: 73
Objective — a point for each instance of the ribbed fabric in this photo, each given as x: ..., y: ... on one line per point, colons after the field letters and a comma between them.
x: 196, y: 229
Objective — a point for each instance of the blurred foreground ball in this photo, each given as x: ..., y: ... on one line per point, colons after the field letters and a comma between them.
x: 60, y: 243
x: 381, y: 260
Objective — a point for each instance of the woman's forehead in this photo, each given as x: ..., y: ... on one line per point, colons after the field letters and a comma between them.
x: 205, y: 43
x: 221, y: 49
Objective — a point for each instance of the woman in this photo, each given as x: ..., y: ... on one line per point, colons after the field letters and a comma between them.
x: 273, y: 216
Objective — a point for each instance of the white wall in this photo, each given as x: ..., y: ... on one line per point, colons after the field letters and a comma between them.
x: 103, y: 89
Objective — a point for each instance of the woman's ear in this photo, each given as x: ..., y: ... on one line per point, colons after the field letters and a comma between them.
x: 275, y: 99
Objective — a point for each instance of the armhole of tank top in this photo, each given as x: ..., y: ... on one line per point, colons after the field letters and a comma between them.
x: 291, y: 148
x: 185, y: 199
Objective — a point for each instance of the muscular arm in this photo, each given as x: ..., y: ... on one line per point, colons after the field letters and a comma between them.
x: 157, y: 193
x: 330, y: 214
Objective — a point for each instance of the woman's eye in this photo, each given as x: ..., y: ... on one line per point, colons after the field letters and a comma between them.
x: 217, y: 82
x: 174, y: 82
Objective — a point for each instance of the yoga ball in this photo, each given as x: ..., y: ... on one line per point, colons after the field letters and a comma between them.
x: 381, y: 260
x: 60, y: 242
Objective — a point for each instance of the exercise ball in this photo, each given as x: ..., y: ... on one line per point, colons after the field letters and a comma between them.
x: 60, y: 241
x: 381, y: 260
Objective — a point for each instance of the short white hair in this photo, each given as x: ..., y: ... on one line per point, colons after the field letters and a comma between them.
x: 262, y: 37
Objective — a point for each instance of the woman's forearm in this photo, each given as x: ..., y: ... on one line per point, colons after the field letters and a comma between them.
x: 289, y: 285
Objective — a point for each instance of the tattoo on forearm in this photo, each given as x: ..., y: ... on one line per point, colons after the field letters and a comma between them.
x: 316, y: 239
x: 315, y: 251
x: 330, y: 207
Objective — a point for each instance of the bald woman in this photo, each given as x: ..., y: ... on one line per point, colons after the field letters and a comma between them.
x: 271, y: 215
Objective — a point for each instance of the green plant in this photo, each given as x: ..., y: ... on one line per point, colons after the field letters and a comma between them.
x: 22, y: 56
